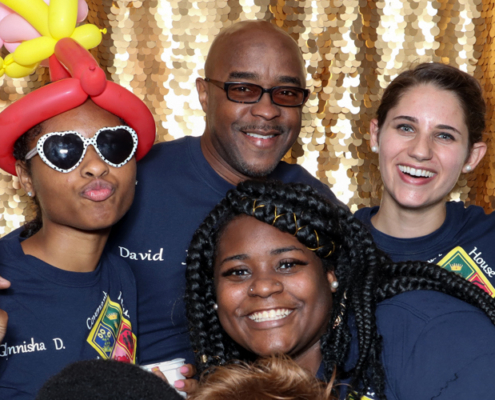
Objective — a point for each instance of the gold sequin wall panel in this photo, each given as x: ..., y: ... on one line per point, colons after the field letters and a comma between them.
x: 482, y: 181
x: 353, y: 48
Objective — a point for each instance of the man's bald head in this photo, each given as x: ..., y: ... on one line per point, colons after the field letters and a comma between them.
x: 247, y: 139
x: 233, y: 40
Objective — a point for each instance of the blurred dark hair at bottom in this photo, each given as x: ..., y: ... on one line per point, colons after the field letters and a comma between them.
x: 105, y: 380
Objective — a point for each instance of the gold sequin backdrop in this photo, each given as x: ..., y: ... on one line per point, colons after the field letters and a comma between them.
x: 352, y: 48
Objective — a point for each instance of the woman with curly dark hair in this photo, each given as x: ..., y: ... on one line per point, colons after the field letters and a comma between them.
x: 277, y: 269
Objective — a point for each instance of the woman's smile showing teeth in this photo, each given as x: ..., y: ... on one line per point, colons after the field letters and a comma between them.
x: 273, y: 294
x: 423, y: 146
x: 270, y: 315
x: 416, y: 172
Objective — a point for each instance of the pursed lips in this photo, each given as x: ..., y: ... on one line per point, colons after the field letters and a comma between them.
x: 97, y: 190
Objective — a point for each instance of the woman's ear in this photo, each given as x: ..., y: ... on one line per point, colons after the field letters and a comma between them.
x: 332, y: 281
x: 374, y: 133
x: 24, y: 177
x: 476, y: 154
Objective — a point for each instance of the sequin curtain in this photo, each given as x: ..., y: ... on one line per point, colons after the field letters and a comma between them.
x: 352, y: 48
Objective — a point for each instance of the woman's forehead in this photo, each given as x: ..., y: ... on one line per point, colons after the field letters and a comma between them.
x: 88, y: 116
x: 250, y: 237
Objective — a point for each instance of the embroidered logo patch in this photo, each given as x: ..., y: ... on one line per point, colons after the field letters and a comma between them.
x: 461, y: 263
x: 111, y: 335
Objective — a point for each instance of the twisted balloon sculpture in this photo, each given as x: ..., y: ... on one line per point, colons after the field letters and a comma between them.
x: 76, y: 78
x: 74, y: 72
x: 30, y: 29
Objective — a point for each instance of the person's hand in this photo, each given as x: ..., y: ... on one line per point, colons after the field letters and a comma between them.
x: 188, y: 385
x: 4, y: 284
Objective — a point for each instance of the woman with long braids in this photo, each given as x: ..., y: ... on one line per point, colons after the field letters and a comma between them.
x: 276, y: 269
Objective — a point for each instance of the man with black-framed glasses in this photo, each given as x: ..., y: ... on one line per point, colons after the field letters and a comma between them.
x: 253, y: 96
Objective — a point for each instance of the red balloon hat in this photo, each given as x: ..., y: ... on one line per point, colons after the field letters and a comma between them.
x: 76, y: 77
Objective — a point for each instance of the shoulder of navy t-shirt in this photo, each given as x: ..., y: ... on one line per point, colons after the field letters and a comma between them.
x: 122, y: 269
x: 430, y: 337
x: 364, y: 214
x: 455, y: 209
x: 414, y: 309
x: 295, y: 173
x: 171, y: 155
x: 15, y: 233
x: 461, y: 224
x: 441, y: 335
x: 162, y: 153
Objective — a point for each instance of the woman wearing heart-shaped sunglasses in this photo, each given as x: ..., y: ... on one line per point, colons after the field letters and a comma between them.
x: 73, y: 145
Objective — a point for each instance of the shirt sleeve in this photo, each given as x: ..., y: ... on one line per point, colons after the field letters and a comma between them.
x: 296, y: 173
x: 451, y: 359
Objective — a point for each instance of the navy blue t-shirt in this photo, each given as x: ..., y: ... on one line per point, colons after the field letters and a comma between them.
x: 434, y: 347
x: 176, y: 190
x: 465, y: 243
x: 57, y: 317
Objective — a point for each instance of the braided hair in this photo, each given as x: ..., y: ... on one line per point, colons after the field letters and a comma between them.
x: 366, y: 277
x: 21, y: 148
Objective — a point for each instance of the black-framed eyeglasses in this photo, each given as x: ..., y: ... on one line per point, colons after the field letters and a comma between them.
x: 249, y: 93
